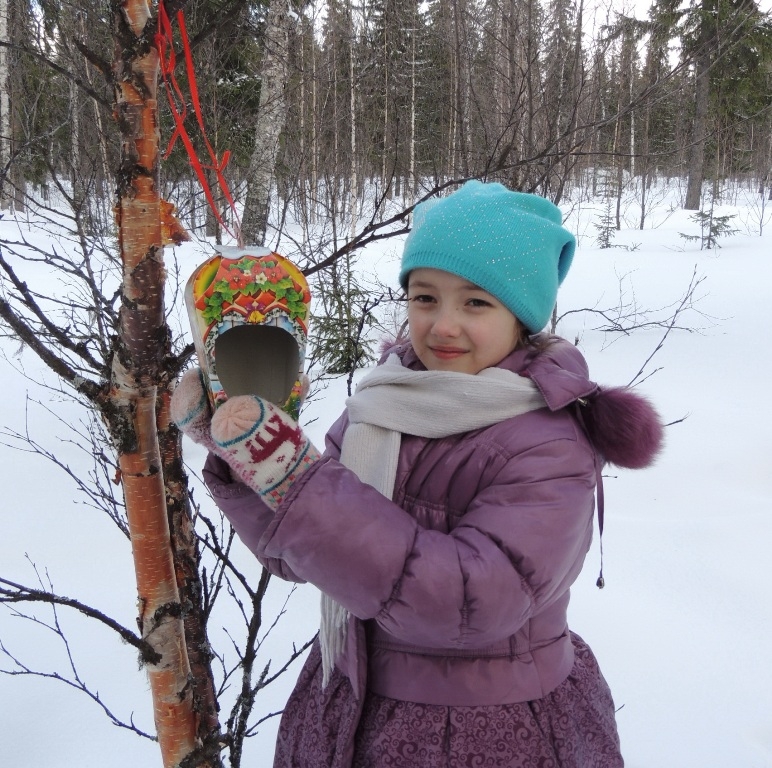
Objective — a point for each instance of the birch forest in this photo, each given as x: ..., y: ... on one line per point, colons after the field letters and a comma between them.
x: 394, y: 98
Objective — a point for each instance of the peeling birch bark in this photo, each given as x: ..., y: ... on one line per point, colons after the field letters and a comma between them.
x: 138, y: 362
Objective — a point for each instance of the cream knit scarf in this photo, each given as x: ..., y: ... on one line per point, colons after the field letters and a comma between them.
x: 392, y: 401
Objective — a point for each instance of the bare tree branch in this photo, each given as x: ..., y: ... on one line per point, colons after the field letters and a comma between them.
x: 82, y: 385
x: 11, y: 593
x: 684, y: 304
x: 82, y: 84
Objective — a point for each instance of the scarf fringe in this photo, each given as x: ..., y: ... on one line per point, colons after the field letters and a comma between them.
x: 332, y: 635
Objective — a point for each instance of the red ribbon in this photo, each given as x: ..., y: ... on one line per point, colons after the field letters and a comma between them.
x: 165, y: 43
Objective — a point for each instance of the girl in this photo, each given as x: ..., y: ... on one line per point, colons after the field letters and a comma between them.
x: 449, y: 514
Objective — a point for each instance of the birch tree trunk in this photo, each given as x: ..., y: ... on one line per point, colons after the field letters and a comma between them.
x: 353, y: 191
x: 314, y: 136
x: 142, y: 347
x: 386, y: 85
x: 5, y: 110
x: 412, y: 192
x: 461, y: 99
x: 271, y: 117
x: 531, y: 58
x: 76, y: 175
x: 302, y: 112
x: 101, y: 190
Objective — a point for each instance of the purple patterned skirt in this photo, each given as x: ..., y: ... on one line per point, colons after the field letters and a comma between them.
x: 572, y: 727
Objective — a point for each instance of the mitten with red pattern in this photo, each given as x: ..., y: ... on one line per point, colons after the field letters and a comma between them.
x: 264, y: 447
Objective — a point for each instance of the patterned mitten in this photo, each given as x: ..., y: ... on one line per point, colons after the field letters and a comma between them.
x: 264, y: 447
x: 190, y: 408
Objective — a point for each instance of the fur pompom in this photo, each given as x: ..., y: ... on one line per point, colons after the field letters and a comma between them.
x: 623, y: 426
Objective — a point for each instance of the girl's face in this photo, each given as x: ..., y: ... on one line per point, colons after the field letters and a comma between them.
x: 456, y: 325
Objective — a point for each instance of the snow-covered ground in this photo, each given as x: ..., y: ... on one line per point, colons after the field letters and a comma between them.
x: 682, y: 627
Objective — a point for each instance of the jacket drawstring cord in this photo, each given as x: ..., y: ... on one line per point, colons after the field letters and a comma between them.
x: 582, y: 403
x: 601, y: 582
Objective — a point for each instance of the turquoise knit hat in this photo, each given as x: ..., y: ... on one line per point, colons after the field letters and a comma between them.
x: 511, y: 244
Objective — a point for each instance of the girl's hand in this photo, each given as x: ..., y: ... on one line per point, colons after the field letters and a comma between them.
x: 264, y: 447
x: 190, y: 408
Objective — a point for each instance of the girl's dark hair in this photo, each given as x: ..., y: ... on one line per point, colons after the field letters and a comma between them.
x: 537, y: 342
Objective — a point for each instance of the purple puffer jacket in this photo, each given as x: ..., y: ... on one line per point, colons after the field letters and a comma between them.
x: 461, y: 583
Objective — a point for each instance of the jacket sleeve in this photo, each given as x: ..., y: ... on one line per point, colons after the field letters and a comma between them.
x: 519, y: 545
x: 246, y: 511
